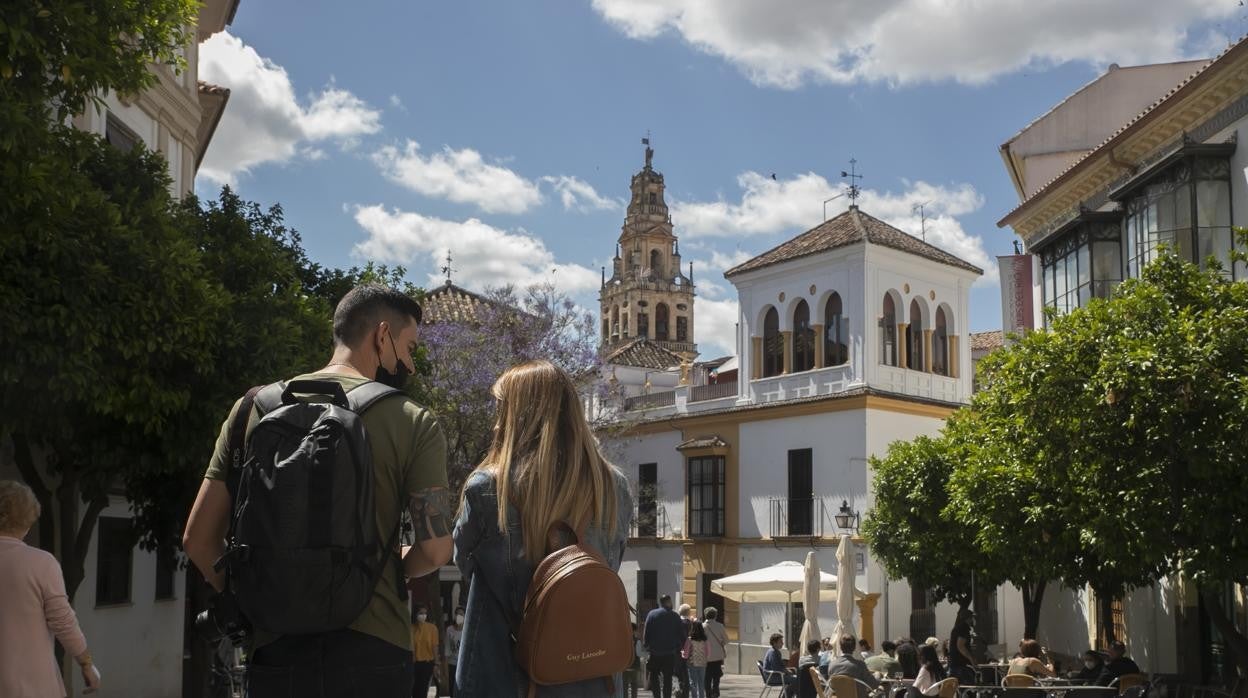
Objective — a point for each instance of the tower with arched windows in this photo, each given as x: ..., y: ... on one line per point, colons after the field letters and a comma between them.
x: 648, y: 296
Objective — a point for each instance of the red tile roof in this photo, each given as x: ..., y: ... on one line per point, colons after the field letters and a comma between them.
x: 450, y: 303
x: 852, y: 226
x: 987, y: 341
x: 643, y: 353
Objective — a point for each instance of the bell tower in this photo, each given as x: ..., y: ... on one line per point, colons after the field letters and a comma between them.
x: 647, y: 295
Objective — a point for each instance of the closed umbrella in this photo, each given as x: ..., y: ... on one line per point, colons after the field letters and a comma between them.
x: 810, y: 601
x: 845, y: 594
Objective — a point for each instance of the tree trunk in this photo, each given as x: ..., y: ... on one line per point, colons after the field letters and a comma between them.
x: 30, y: 473
x: 1033, y: 596
x: 1236, y: 642
x: 1105, y: 628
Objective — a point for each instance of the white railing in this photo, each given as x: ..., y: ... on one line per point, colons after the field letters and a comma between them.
x: 821, y: 381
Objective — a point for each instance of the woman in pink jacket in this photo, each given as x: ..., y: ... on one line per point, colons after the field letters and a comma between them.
x: 34, y: 607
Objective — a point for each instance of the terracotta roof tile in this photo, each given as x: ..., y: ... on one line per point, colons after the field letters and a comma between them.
x: 450, y: 303
x: 209, y: 88
x: 987, y: 341
x: 1150, y: 109
x: 852, y: 226
x: 643, y: 353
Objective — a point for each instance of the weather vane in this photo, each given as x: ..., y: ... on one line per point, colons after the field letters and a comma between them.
x: 649, y: 151
x: 447, y: 269
x: 853, y: 178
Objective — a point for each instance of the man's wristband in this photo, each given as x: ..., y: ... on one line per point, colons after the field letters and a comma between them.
x: 84, y: 659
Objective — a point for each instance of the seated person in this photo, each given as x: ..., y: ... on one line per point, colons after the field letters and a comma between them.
x: 885, y: 663
x: 849, y: 664
x: 774, y: 662
x: 931, y: 672
x: 806, y: 687
x: 1118, y: 665
x: 908, y: 657
x: 825, y: 656
x: 1093, y: 665
x: 1028, y: 661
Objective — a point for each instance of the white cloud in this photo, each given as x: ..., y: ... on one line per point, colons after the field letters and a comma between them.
x: 483, y: 255
x: 770, y: 206
x: 715, y: 327
x: 462, y: 176
x: 263, y: 121
x: 579, y: 195
x: 397, y: 102
x: 791, y: 42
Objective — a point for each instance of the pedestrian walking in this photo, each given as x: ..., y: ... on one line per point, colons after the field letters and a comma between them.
x: 664, y: 636
x: 454, y: 632
x: 716, y: 650
x: 682, y: 665
x: 34, y: 607
x: 543, y: 469
x: 424, y: 652
x: 695, y: 657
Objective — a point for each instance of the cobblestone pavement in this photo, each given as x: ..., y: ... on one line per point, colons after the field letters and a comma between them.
x: 733, y: 686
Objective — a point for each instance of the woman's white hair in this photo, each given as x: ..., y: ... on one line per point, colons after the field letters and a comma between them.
x: 19, y: 508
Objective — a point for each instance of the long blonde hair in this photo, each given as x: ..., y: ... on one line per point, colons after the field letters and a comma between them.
x: 544, y: 457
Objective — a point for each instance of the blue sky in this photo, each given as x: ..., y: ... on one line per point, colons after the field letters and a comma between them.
x: 508, y: 131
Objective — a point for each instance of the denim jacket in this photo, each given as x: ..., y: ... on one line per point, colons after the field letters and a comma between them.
x: 496, y: 569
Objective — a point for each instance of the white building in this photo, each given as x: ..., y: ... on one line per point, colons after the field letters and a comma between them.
x: 1150, y: 156
x: 850, y: 336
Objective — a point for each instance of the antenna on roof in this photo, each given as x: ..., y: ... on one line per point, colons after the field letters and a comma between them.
x: 447, y: 269
x: 922, y: 217
x: 853, y: 178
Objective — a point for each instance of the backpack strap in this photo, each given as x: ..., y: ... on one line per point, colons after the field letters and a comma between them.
x: 236, y: 435
x: 365, y: 395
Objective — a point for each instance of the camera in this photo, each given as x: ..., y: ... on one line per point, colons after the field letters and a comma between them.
x: 223, y: 619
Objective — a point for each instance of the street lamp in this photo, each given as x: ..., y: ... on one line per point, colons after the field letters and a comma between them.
x: 846, y: 519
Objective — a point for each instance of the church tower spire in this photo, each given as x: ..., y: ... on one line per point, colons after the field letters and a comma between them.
x: 647, y: 296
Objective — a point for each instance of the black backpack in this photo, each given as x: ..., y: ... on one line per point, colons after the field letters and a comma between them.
x: 302, y: 553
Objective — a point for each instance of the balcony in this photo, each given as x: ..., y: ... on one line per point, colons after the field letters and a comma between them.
x: 713, y: 391
x: 651, y: 401
x: 650, y: 522
x: 788, y: 386
x: 800, y: 518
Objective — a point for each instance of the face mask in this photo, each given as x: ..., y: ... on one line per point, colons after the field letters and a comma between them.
x: 459, y: 620
x: 420, y: 617
x: 398, y: 378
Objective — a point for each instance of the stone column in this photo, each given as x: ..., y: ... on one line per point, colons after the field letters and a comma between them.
x: 787, y: 354
x: 866, y: 609
x: 901, y: 344
x: 756, y: 357
x: 927, y: 350
x: 819, y: 341
x: 953, y: 356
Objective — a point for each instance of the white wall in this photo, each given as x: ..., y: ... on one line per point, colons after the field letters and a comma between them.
x: 138, y: 646
x: 836, y: 440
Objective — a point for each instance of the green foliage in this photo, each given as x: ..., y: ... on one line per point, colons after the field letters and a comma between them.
x: 912, y: 529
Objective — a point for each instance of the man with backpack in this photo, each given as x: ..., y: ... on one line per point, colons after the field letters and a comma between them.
x: 296, y: 522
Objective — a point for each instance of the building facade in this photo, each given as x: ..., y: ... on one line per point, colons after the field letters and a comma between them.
x: 850, y: 336
x: 1168, y: 172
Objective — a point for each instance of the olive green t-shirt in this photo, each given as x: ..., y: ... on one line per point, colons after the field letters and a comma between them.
x: 409, y: 454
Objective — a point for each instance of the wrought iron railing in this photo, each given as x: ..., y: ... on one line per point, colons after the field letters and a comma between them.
x: 649, y: 521
x: 712, y: 391
x: 652, y: 400
x: 799, y: 517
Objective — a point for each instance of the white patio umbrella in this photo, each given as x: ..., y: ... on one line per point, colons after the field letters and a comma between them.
x: 781, y: 583
x: 845, y: 596
x: 810, y: 601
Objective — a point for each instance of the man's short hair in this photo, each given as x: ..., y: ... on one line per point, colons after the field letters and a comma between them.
x: 684, y: 610
x: 368, y: 304
x: 711, y: 613
x: 813, y: 647
x: 775, y: 637
x: 888, y: 646
x: 665, y: 601
x: 848, y: 643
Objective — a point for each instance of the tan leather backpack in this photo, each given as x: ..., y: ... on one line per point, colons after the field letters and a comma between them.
x: 576, y: 617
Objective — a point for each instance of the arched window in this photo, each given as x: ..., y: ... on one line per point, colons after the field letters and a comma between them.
x: 654, y: 263
x: 606, y: 329
x: 643, y: 325
x: 888, y: 332
x: 660, y: 322
x: 835, y: 333
x: 615, y: 321
x: 940, y: 344
x: 803, y: 338
x: 773, y: 344
x: 914, y: 338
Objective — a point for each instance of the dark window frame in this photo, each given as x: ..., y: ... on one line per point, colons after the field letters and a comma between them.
x: 773, y: 344
x: 803, y: 338
x: 114, y: 561
x: 705, y: 489
x: 835, y: 332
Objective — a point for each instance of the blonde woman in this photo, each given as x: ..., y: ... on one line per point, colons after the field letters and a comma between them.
x: 34, y: 607
x: 543, y: 466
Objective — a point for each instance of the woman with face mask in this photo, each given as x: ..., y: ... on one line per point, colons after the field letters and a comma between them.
x: 454, y: 631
